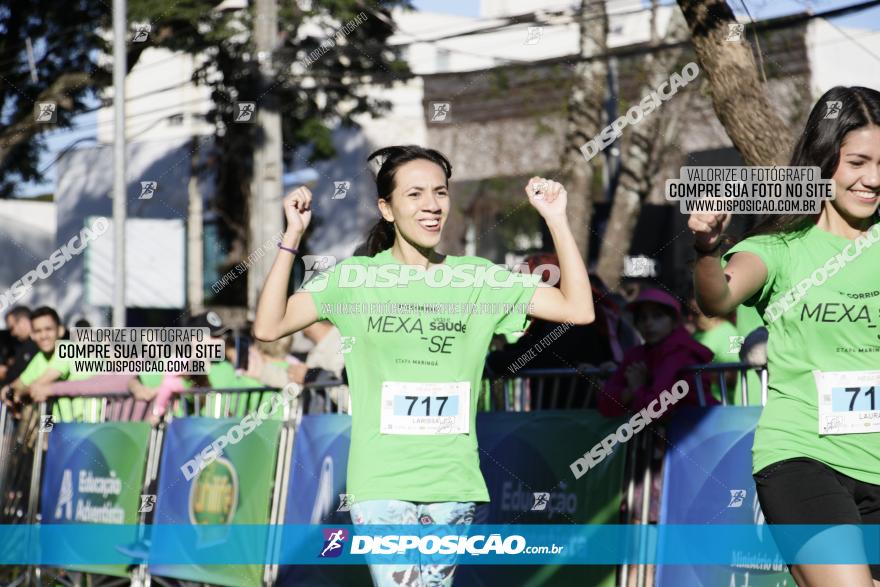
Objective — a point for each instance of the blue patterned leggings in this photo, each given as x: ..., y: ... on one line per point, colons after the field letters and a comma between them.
x: 392, y: 511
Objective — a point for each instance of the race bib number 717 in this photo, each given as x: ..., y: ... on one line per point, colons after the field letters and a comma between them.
x: 849, y: 401
x: 425, y: 408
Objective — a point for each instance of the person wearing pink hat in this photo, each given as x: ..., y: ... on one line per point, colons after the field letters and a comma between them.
x: 649, y: 369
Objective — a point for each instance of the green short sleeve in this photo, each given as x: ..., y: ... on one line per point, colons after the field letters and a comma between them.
x: 60, y: 365
x: 325, y: 291
x: 35, y: 369
x: 511, y: 299
x: 773, y: 252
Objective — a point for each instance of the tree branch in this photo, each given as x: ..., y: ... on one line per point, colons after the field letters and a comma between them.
x: 739, y: 98
x: 27, y: 126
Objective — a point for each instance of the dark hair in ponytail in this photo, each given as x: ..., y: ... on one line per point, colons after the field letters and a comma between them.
x: 820, y: 143
x: 381, y: 236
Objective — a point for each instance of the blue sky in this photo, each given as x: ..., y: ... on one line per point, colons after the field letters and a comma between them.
x: 760, y: 9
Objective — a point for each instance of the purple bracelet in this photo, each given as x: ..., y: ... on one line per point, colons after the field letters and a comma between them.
x: 288, y: 249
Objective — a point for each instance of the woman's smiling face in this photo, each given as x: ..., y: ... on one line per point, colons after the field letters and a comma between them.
x: 857, y: 177
x: 419, y: 204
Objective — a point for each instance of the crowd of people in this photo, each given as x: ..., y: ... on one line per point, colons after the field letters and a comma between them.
x: 29, y: 365
x: 639, y: 346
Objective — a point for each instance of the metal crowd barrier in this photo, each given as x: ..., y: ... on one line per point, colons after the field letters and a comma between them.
x: 23, y: 442
x: 528, y: 389
x: 560, y: 385
x: 741, y: 370
x: 532, y: 389
x: 525, y: 392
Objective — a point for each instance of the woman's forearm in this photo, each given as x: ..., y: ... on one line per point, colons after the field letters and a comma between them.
x: 710, y: 285
x: 272, y: 303
x: 574, y: 280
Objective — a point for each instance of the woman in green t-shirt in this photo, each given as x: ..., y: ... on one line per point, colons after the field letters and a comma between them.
x: 816, y: 454
x: 415, y: 326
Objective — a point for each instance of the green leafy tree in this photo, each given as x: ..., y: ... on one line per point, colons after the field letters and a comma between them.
x: 323, y: 73
x: 47, y: 55
x: 321, y: 78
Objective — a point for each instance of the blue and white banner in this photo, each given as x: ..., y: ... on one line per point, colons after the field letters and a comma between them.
x: 478, y: 544
x: 707, y: 480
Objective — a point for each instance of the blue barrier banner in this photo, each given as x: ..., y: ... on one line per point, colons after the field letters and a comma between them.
x: 94, y: 473
x: 707, y: 480
x: 214, y: 476
x: 479, y: 544
x: 316, y: 495
x: 317, y: 471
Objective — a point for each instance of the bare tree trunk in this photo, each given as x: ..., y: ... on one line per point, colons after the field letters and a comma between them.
x: 584, y: 119
x: 738, y: 96
x: 642, y: 156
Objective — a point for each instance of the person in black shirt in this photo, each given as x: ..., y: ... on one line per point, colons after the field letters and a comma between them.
x: 18, y: 321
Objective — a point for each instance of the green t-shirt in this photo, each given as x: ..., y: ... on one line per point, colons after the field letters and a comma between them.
x: 64, y: 409
x: 833, y: 327
x: 718, y: 340
x: 222, y: 375
x: 417, y: 345
x: 35, y: 368
x: 78, y: 408
x: 63, y: 367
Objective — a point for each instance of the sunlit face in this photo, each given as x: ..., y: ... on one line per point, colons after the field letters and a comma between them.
x: 419, y: 203
x: 857, y: 177
x: 653, y: 322
x: 45, y: 333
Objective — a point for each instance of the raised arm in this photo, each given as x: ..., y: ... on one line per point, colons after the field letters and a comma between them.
x: 720, y: 290
x: 573, y: 300
x: 277, y: 315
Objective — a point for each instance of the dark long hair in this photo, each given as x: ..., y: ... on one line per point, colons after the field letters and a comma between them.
x: 819, y: 146
x: 381, y: 236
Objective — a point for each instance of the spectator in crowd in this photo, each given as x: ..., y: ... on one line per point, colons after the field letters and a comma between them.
x: 600, y: 344
x: 754, y: 352
x: 221, y: 375
x: 324, y: 363
x: 655, y: 366
x: 7, y: 352
x: 18, y: 322
x: 45, y: 367
x: 719, y: 335
x: 268, y: 362
x: 647, y: 371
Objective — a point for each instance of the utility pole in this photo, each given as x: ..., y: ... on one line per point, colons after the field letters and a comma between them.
x: 119, y: 67
x: 195, y: 235
x: 265, y: 213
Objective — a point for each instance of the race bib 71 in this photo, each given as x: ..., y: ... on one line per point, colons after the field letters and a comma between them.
x: 849, y: 401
